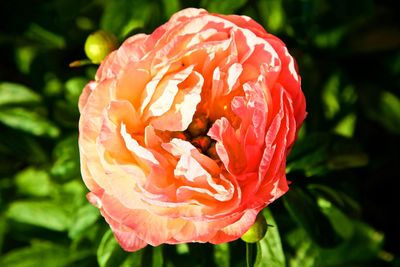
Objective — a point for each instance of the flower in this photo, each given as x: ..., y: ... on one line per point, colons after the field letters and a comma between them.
x: 184, y: 132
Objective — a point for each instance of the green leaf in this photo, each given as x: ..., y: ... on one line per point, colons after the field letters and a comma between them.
x: 24, y: 57
x: 45, y: 37
x: 17, y: 94
x: 340, y: 222
x: 306, y: 212
x: 84, y: 218
x: 3, y: 231
x: 72, y: 195
x: 337, y: 198
x: 43, y: 255
x: 345, y: 154
x: 330, y: 38
x: 222, y: 255
x: 223, y: 6
x: 110, y: 254
x: 133, y: 260
x: 74, y: 87
x: 34, y: 182
x: 157, y: 256
x: 21, y: 146
x: 364, y: 245
x: 310, y: 154
x: 272, y: 14
x: 66, y: 156
x: 28, y: 121
x: 389, y: 112
x: 318, y: 153
x: 269, y: 249
x: 44, y: 214
x: 330, y: 96
x: 346, y: 125
x: 171, y: 7
x: 338, y: 96
x: 66, y: 114
x: 121, y: 20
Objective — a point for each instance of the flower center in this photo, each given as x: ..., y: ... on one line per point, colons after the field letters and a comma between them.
x: 196, y: 134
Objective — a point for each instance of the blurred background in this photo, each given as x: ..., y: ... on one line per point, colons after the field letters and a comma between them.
x: 343, y: 206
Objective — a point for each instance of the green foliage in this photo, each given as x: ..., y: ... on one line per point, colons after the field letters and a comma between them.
x: 40, y: 213
x: 341, y: 206
x: 269, y: 249
x: 17, y: 94
x: 42, y: 254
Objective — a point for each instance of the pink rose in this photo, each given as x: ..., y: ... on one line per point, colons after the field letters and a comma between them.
x: 184, y: 133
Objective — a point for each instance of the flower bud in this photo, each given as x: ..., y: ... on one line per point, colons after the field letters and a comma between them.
x: 257, y: 231
x: 99, y: 44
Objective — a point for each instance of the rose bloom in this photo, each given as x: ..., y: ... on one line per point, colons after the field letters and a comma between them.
x: 184, y: 132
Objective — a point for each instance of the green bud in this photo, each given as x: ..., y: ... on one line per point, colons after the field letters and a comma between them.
x: 257, y: 231
x: 99, y: 44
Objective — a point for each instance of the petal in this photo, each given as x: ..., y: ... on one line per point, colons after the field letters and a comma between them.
x: 228, y: 147
x: 181, y: 113
x: 163, y: 97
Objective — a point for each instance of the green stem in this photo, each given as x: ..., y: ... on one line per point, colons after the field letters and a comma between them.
x: 249, y: 254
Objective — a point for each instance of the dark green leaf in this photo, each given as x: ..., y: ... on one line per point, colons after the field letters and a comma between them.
x: 24, y: 57
x: 17, y: 94
x: 157, y: 256
x: 110, y: 254
x: 272, y: 14
x: 338, y: 198
x: 307, y: 213
x: 28, y: 121
x: 43, y: 255
x: 223, y: 6
x: 34, y: 182
x: 345, y: 154
x: 269, y: 249
x: 339, y: 221
x: 66, y: 155
x: 44, y: 214
x: 66, y: 114
x: 222, y: 255
x: 45, y: 37
x: 86, y: 216
x: 310, y: 154
x: 120, y: 20
x: 365, y: 244
x: 171, y: 7
x: 74, y: 87
x: 133, y: 260
x: 3, y: 231
x: 72, y: 195
x: 22, y: 146
x: 389, y: 112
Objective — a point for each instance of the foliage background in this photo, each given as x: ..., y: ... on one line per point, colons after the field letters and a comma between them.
x: 342, y: 209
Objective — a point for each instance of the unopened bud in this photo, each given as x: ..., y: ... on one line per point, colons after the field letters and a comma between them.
x: 199, y: 125
x: 99, y: 44
x: 257, y: 231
